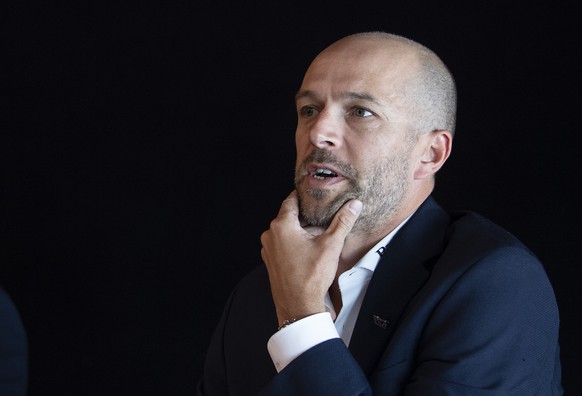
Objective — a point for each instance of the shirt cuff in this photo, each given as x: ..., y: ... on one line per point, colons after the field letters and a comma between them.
x: 296, y: 338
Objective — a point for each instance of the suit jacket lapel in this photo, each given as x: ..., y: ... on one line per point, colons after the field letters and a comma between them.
x: 403, y: 269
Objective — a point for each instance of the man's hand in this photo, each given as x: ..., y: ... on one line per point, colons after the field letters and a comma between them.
x: 302, y: 263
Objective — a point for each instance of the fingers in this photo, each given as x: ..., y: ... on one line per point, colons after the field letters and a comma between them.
x: 345, y: 219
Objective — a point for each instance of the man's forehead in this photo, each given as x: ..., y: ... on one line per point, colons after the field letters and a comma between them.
x: 354, y: 80
x: 356, y: 65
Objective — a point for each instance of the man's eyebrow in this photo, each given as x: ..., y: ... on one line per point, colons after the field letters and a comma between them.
x: 304, y: 94
x: 360, y: 95
x: 348, y: 95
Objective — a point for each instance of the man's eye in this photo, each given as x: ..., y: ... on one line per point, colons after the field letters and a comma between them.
x: 307, y: 111
x: 360, y: 112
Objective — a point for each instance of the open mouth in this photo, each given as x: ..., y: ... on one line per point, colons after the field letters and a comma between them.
x: 323, y: 173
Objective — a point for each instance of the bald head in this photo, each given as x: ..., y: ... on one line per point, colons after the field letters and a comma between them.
x: 423, y: 84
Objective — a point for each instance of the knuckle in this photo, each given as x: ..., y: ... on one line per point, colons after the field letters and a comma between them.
x: 264, y: 237
x: 275, y: 224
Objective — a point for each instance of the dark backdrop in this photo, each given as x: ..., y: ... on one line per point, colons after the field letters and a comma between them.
x: 145, y: 146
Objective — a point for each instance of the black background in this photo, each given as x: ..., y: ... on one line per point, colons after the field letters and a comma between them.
x: 145, y: 146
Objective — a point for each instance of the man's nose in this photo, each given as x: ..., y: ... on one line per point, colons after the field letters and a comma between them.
x: 326, y: 131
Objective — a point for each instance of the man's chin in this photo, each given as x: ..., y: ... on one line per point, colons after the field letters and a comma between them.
x: 315, y: 219
x: 318, y: 211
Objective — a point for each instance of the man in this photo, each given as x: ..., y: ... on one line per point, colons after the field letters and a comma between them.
x: 375, y: 288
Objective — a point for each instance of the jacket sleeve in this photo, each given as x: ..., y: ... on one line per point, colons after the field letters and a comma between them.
x: 326, y: 369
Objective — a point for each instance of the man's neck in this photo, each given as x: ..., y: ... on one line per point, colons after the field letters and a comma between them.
x: 358, y: 243
x: 356, y: 246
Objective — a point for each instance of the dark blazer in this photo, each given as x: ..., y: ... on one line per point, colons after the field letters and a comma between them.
x: 464, y: 308
x: 13, y: 350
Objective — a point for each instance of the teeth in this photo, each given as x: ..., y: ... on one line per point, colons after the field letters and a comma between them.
x: 322, y: 173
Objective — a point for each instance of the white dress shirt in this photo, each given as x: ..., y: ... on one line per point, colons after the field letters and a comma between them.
x: 296, y: 338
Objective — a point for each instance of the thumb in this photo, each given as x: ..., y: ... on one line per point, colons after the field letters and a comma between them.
x: 345, y: 219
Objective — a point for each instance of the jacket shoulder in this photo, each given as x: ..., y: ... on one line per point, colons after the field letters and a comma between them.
x: 472, y: 232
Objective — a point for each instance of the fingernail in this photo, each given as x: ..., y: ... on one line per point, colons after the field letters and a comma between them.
x: 355, y: 206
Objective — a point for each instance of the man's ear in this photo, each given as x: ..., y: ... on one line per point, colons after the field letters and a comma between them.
x: 436, y: 150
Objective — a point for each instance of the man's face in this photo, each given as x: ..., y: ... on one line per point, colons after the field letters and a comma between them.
x: 353, y: 138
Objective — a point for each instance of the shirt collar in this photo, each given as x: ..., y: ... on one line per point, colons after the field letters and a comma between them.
x: 371, y: 259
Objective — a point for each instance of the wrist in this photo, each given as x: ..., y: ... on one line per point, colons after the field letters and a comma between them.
x: 289, y: 315
x: 285, y: 321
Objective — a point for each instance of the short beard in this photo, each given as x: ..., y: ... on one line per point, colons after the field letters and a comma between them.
x: 382, y: 191
x: 317, y: 214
